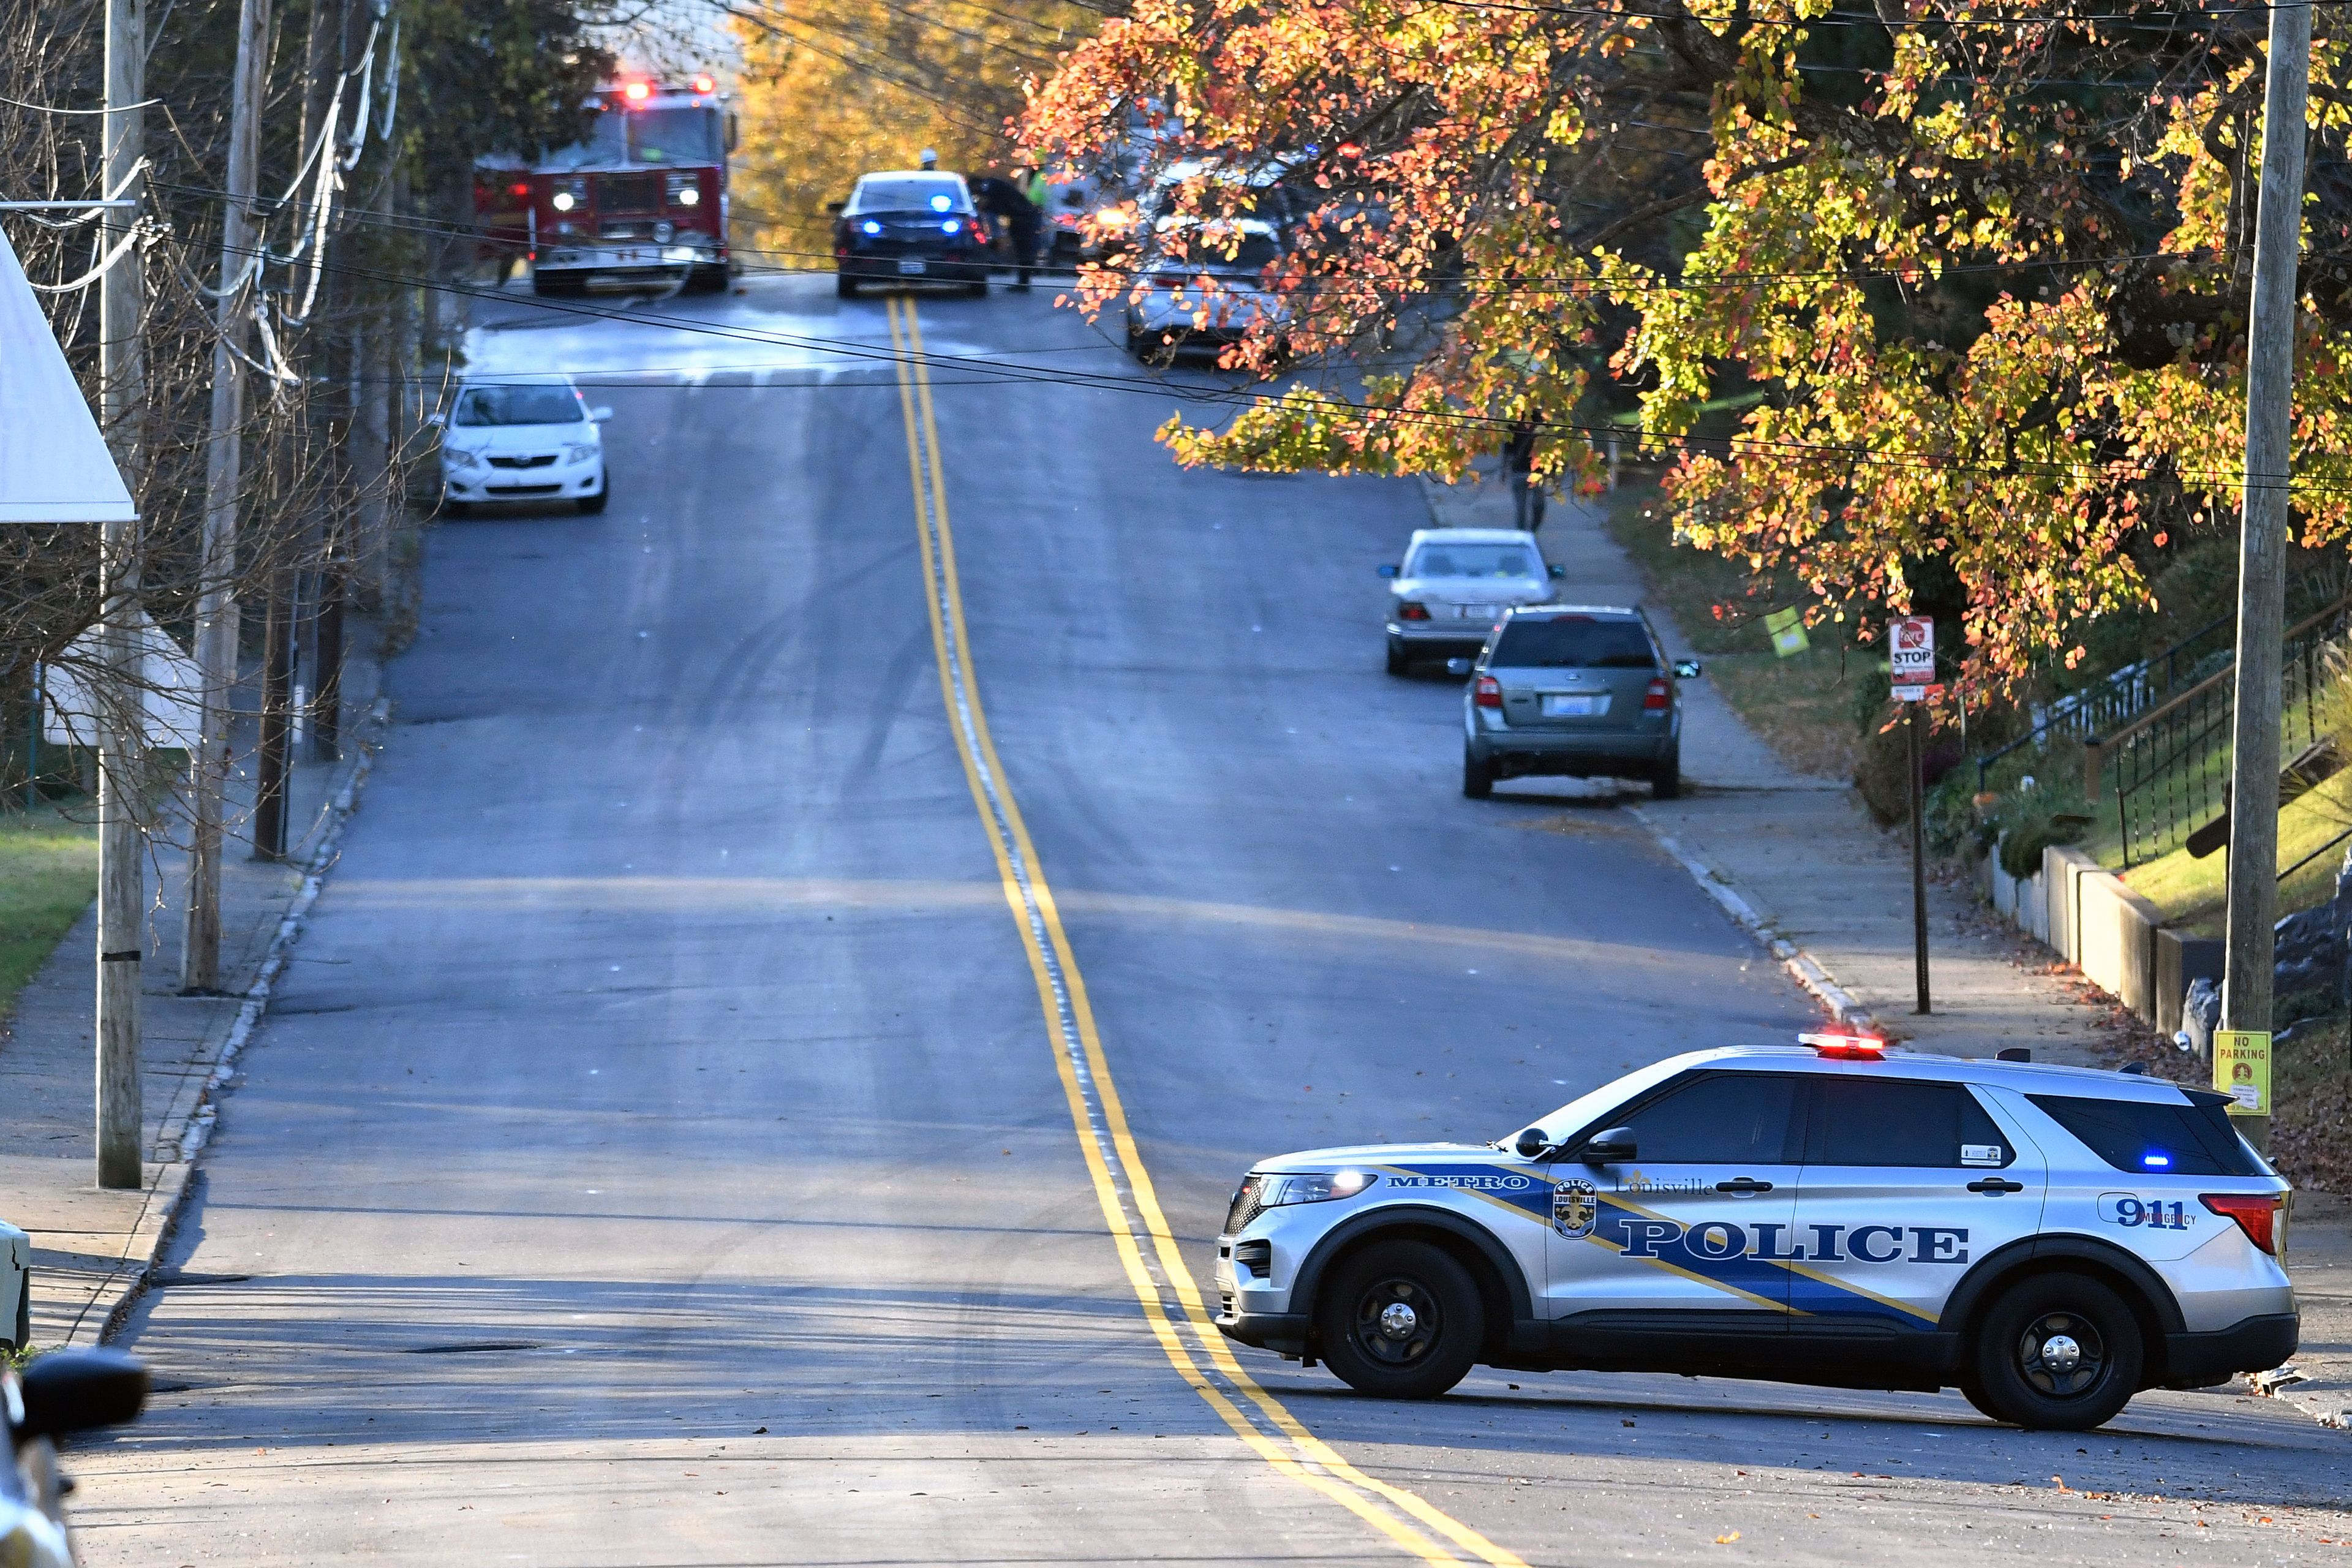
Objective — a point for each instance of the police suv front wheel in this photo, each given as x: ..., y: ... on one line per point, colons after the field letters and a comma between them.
x: 1400, y: 1319
x: 2057, y: 1351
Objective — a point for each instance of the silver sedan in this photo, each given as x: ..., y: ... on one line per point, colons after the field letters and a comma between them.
x: 1454, y: 584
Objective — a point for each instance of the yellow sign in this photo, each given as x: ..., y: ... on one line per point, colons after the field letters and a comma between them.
x: 1788, y: 629
x: 2242, y: 1069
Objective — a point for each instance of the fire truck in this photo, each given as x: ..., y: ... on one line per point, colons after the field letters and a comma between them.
x: 641, y: 202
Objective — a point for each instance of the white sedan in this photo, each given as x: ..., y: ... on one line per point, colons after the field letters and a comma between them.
x: 522, y: 440
x: 1208, y: 295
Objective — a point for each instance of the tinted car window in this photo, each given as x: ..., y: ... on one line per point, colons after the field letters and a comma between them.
x: 2150, y: 1137
x: 1741, y: 1118
x: 1892, y: 1121
x: 1473, y: 561
x: 1572, y: 642
x: 907, y: 195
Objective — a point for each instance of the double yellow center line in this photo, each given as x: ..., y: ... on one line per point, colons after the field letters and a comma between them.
x: 1155, y: 1268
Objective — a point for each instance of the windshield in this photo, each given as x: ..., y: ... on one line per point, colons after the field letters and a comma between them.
x: 644, y: 136
x: 909, y: 193
x: 1585, y: 1109
x: 1572, y: 642
x: 542, y: 404
x: 1473, y: 561
x: 1206, y: 253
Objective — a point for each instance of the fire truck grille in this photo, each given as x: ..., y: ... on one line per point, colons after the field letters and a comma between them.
x: 628, y: 193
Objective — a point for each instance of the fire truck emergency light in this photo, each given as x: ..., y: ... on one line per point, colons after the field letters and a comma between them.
x: 637, y: 92
x: 704, y: 84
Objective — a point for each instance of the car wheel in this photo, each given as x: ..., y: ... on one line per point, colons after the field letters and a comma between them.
x: 978, y: 287
x: 457, y: 507
x: 1973, y: 1392
x: 1478, y: 775
x: 1400, y: 661
x: 844, y: 286
x: 1666, y: 775
x: 595, y: 503
x: 2059, y: 1351
x: 1400, y: 1319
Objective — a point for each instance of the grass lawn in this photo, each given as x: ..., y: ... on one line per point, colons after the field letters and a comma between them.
x: 48, y: 875
x: 2192, y: 894
x: 1802, y: 705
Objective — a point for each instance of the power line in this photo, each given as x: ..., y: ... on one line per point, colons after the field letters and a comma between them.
x: 1002, y: 372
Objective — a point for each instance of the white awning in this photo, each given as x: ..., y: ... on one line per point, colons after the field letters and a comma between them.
x: 54, y: 465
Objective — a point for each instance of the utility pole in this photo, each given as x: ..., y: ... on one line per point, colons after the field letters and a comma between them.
x: 121, y: 774
x: 216, y: 607
x: 2261, y: 548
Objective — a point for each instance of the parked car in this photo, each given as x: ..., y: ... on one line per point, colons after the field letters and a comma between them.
x: 2048, y: 1241
x: 1583, y: 691
x: 910, y: 226
x: 515, y: 440
x: 60, y: 1392
x: 1201, y: 284
x: 1454, y: 584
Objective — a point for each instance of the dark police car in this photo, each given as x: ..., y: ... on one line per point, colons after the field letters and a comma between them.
x: 910, y: 226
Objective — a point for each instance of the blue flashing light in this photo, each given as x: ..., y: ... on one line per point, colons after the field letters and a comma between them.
x: 942, y: 202
x: 2154, y: 1161
x: 870, y: 226
x: 950, y: 227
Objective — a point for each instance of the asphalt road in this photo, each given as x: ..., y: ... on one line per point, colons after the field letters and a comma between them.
x: 659, y: 1153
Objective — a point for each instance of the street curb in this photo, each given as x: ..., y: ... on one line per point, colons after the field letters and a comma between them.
x: 170, y: 1181
x: 1802, y: 966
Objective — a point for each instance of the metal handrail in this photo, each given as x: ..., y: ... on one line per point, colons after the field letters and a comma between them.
x: 2094, y: 746
x: 2077, y: 702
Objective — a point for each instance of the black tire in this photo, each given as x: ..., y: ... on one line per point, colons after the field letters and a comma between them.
x: 595, y: 503
x: 1975, y: 1394
x: 1417, y: 1354
x: 2028, y: 1379
x: 844, y: 286
x: 1478, y: 775
x: 1666, y: 775
x: 1400, y: 661
x: 457, y: 507
x: 978, y: 287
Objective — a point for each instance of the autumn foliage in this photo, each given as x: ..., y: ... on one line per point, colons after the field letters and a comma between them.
x: 1978, y: 271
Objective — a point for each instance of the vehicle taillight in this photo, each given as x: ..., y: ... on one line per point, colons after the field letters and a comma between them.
x: 1655, y: 699
x: 1488, y: 693
x: 1413, y: 610
x: 2256, y: 1214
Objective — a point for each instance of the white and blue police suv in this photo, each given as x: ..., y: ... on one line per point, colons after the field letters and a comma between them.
x: 2049, y: 1240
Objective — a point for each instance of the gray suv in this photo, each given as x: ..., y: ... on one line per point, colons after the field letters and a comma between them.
x: 1583, y: 691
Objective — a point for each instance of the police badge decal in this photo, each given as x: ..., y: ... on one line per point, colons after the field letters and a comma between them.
x: 1574, y: 1207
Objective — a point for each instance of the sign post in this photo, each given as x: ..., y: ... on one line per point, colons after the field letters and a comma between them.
x: 1911, y: 664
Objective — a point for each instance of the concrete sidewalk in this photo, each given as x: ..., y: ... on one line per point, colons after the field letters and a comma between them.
x: 1796, y: 860
x: 91, y: 1248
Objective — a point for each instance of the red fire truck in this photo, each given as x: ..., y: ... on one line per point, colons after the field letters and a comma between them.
x: 641, y: 201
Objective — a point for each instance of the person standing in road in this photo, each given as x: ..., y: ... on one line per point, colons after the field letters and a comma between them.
x: 1001, y: 200
x: 1027, y: 220
x: 928, y: 158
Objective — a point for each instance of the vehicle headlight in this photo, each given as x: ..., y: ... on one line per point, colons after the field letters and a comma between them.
x: 461, y: 458
x: 1312, y: 1186
x: 561, y: 201
x: 580, y: 453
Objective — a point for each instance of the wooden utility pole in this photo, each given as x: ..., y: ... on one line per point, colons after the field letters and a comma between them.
x: 121, y: 774
x: 216, y: 607
x: 2261, y: 548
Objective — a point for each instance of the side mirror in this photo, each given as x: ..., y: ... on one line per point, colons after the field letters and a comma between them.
x: 1388, y: 571
x: 600, y: 414
x: 436, y: 421
x: 1610, y: 1146
x: 1458, y: 666
x: 1687, y: 669
x: 835, y: 209
x: 76, y: 1390
x: 734, y: 129
x: 1532, y: 1143
x: 1557, y: 570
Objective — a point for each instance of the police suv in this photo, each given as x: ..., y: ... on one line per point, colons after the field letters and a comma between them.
x: 2049, y: 1240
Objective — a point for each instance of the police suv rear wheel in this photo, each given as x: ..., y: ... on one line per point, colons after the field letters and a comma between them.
x: 1400, y: 1319
x: 2058, y: 1351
